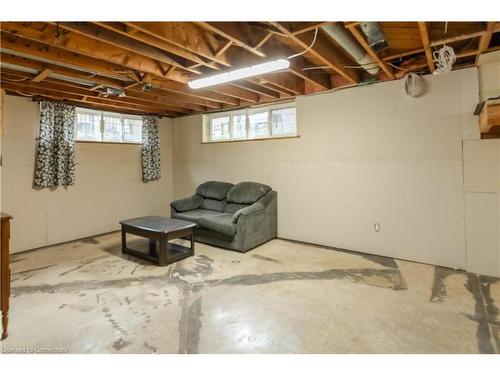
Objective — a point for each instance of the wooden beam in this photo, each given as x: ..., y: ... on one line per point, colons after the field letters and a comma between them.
x: 309, y: 27
x: 41, y: 76
x: 235, y: 92
x: 155, y: 96
x: 117, y: 40
x: 264, y: 40
x: 103, y: 67
x: 89, y: 47
x: 320, y: 51
x: 53, y: 94
x: 459, y: 55
x: 424, y: 34
x: 271, y: 86
x: 61, y: 86
x: 153, y: 41
x: 184, y: 35
x: 361, y: 40
x: 484, y: 42
x: 452, y: 39
x: 284, y: 80
x: 38, y: 50
x: 257, y: 88
x: 174, y: 97
x: 230, y: 31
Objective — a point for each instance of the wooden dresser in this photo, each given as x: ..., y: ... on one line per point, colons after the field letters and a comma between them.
x: 5, y: 272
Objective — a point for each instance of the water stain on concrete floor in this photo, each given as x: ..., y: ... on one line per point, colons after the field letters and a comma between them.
x: 282, y: 297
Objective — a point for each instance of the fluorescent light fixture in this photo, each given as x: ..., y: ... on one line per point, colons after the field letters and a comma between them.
x: 233, y: 75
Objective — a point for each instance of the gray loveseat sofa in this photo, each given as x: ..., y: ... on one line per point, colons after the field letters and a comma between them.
x: 238, y: 217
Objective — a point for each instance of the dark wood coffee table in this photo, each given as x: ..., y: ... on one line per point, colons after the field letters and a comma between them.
x: 159, y: 230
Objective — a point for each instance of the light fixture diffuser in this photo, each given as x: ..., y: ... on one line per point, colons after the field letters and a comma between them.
x: 233, y: 75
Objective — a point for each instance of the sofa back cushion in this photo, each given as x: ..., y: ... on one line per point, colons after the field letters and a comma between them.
x: 233, y: 207
x: 214, y: 204
x: 247, y: 192
x: 214, y: 190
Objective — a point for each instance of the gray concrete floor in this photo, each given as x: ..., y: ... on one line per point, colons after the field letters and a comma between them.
x: 283, y: 297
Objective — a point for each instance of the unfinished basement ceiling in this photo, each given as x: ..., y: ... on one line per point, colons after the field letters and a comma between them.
x: 76, y: 61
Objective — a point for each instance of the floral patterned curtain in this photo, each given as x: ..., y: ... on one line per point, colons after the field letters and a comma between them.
x: 55, y: 159
x: 150, y: 148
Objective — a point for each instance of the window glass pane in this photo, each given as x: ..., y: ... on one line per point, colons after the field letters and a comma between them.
x: 258, y: 125
x: 239, y: 129
x: 219, y: 128
x: 88, y: 126
x: 284, y: 122
x: 132, y: 130
x: 112, y: 131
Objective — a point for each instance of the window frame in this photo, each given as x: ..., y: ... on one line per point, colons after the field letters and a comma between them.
x: 102, y: 114
x: 271, y: 122
x: 207, y: 123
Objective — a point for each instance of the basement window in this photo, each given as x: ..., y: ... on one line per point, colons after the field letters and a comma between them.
x: 278, y: 121
x: 108, y: 127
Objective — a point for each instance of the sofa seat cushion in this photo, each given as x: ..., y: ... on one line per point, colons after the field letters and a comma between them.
x: 214, y: 190
x: 247, y: 192
x: 214, y: 204
x: 194, y: 215
x: 222, y: 223
x: 233, y: 207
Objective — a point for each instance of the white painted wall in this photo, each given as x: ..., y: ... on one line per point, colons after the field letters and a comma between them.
x: 482, y: 205
x: 366, y: 155
x: 108, y: 185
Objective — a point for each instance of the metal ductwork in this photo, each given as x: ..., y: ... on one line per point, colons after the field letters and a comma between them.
x: 345, y: 40
x: 374, y: 35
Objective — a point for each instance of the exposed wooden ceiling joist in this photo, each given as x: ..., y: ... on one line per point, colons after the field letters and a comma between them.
x: 434, y: 43
x: 156, y: 42
x: 76, y: 61
x: 111, y: 38
x: 484, y: 42
x: 41, y: 76
x: 424, y: 34
x: 10, y: 77
x: 187, y: 36
x: 129, y: 62
x: 54, y: 94
x: 231, y: 32
x: 176, y: 98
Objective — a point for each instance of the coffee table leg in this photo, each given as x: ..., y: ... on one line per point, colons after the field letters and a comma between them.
x: 163, y: 251
x: 192, y: 242
x: 124, y: 240
x: 152, y: 248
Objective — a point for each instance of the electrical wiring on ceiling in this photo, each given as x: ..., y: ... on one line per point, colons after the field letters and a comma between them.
x: 308, y: 48
x: 15, y: 80
x: 444, y: 57
x: 24, y: 94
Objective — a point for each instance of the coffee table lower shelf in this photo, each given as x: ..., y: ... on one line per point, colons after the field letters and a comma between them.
x: 175, y: 252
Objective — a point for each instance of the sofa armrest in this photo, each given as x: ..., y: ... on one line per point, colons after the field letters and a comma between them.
x: 187, y: 204
x: 256, y: 207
